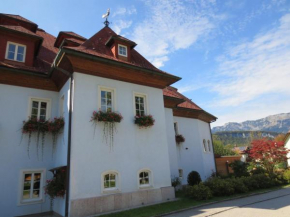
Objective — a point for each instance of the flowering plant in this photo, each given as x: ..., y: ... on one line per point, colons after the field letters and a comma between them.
x: 144, y: 121
x: 42, y: 127
x: 55, y: 187
x: 106, y: 116
x: 179, y: 138
x: 109, y: 119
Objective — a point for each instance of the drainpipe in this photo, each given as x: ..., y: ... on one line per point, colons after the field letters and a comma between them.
x: 212, y: 147
x: 69, y: 147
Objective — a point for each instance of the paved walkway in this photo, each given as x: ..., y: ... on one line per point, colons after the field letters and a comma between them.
x: 272, y: 204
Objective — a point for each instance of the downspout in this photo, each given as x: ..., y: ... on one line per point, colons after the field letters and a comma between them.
x: 212, y: 147
x: 69, y: 147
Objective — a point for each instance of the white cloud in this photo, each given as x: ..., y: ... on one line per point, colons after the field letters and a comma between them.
x: 173, y: 25
x: 119, y: 25
x: 124, y: 11
x: 251, y: 69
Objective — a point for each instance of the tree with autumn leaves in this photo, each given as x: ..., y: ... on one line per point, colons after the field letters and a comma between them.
x: 268, y: 154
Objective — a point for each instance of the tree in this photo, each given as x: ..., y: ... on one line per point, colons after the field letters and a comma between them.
x: 268, y: 153
x: 280, y: 137
x: 220, y: 149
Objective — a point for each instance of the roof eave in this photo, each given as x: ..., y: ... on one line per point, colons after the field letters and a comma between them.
x: 93, y: 57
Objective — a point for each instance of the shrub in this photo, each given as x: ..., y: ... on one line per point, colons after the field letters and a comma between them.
x: 193, y: 178
x: 250, y: 183
x: 199, y: 192
x: 239, y: 185
x: 263, y: 181
x: 286, y: 176
x: 258, y: 170
x: 220, y: 187
x: 240, y: 168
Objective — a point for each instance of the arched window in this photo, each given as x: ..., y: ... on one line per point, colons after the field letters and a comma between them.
x: 145, y: 178
x: 204, y: 146
x: 110, y: 181
x: 208, y: 146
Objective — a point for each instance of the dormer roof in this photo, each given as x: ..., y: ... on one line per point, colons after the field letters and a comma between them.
x: 120, y: 38
x: 16, y: 20
x: 67, y: 35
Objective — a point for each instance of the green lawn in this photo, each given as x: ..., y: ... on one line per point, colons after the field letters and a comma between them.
x: 182, y: 203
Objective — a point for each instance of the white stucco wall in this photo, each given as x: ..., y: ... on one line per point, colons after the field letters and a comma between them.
x: 14, y: 103
x: 190, y: 155
x: 134, y: 148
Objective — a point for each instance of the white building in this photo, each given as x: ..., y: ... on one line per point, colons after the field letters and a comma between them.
x: 287, y: 145
x: 71, y: 77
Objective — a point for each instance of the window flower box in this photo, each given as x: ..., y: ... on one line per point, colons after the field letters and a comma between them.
x: 144, y: 121
x: 179, y: 139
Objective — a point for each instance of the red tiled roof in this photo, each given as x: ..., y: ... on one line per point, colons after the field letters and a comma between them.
x: 19, y: 29
x: 96, y: 46
x: 172, y: 92
x: 23, y: 67
x: 17, y: 17
x: 74, y: 34
x: 75, y: 40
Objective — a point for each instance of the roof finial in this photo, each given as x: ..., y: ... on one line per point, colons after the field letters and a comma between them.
x: 106, y: 16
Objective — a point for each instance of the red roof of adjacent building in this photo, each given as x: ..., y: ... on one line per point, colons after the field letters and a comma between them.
x: 173, y: 92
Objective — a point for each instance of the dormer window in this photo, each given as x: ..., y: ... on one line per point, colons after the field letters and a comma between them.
x: 122, y: 50
x: 15, y: 52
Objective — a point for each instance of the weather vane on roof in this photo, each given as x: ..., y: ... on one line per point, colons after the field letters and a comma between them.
x: 106, y: 16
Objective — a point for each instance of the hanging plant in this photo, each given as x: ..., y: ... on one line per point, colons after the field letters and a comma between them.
x: 109, y: 119
x: 55, y: 187
x: 41, y: 128
x: 55, y: 128
x: 144, y: 121
x: 179, y: 138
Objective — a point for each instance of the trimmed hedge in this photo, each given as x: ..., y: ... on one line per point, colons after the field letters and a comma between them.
x: 193, y: 178
x: 216, y: 186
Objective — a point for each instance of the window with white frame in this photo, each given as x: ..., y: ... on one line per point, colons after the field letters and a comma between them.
x: 204, y: 146
x: 208, y: 146
x: 31, y: 186
x: 122, y: 50
x: 15, y: 52
x: 176, y: 128
x: 39, y: 108
x: 107, y: 99
x: 145, y: 179
x: 140, y: 104
x: 110, y: 181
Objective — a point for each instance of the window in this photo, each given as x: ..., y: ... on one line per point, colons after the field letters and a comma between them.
x: 122, y: 50
x: 107, y: 99
x: 32, y: 186
x: 145, y: 178
x: 110, y: 181
x: 180, y: 173
x: 15, y: 52
x: 39, y: 108
x: 175, y: 128
x: 140, y: 104
x: 204, y: 146
x: 208, y: 146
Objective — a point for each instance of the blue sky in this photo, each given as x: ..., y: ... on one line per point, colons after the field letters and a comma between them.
x: 233, y: 56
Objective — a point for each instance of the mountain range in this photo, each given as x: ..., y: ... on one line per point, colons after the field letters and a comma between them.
x: 279, y: 123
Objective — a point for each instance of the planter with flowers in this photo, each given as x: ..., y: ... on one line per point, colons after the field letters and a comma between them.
x: 144, y: 121
x: 41, y: 128
x: 55, y: 187
x: 179, y: 139
x: 109, y: 119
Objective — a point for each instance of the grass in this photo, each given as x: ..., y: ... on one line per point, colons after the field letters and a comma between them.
x: 182, y: 203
